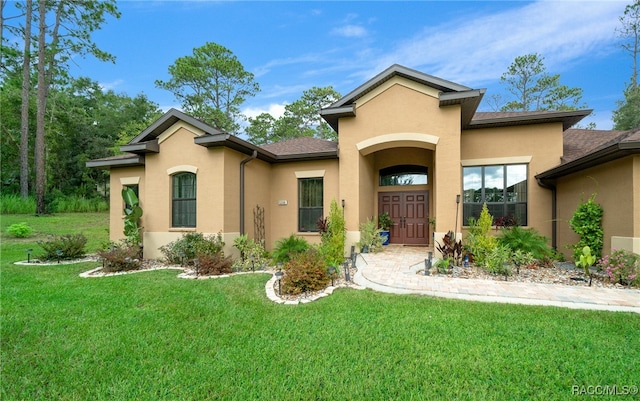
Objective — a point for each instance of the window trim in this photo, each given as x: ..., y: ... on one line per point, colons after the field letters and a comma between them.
x: 187, y: 224
x: 505, y: 203
x: 314, y: 228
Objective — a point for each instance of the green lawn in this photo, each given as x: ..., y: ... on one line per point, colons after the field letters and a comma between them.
x: 152, y: 336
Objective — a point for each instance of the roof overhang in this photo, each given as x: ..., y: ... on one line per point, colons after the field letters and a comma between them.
x: 332, y: 115
x: 142, y: 147
x: 468, y: 99
x: 248, y: 148
x: 601, y: 156
x: 117, y: 161
x: 567, y: 118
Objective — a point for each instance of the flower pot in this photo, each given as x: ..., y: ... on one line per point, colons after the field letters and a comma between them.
x: 385, y: 237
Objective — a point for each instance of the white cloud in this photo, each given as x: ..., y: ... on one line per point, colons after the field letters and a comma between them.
x: 275, y: 109
x: 111, y: 85
x: 350, y: 31
x: 478, y: 48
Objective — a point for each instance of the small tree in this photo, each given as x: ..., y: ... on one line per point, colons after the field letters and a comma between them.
x: 333, y: 240
x: 587, y: 223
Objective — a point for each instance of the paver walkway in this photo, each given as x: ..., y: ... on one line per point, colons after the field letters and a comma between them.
x: 394, y: 271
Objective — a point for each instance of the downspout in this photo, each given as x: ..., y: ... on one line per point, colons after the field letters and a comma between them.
x: 242, y: 163
x: 554, y: 213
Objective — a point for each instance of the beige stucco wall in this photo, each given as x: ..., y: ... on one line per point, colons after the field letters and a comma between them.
x: 399, y: 113
x: 616, y: 187
x: 539, y: 146
x: 283, y: 197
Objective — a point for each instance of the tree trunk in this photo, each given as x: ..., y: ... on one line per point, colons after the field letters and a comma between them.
x: 24, y: 118
x: 41, y: 107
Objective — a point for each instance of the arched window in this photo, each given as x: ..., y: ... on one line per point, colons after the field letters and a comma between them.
x: 183, y: 204
x: 404, y: 174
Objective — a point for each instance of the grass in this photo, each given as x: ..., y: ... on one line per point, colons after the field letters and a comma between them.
x: 152, y: 336
x: 15, y: 204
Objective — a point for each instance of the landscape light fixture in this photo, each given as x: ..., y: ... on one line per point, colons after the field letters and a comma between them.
x: 29, y: 250
x: 428, y: 263
x: 59, y: 254
x: 347, y: 276
x: 279, y: 275
x: 332, y: 271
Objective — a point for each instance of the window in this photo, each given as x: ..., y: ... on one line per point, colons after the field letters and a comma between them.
x: 502, y: 187
x: 406, y: 174
x: 310, y: 194
x: 136, y: 190
x: 183, y: 210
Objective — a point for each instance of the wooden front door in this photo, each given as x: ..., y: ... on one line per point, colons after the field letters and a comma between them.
x: 409, y: 211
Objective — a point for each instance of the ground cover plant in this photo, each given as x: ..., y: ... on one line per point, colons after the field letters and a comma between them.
x: 152, y: 336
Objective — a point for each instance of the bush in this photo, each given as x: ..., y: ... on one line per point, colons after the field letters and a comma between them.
x: 305, y: 272
x: 252, y: 254
x: 213, y: 265
x: 479, y: 242
x: 333, y: 240
x: 190, y: 246
x: 285, y: 247
x: 499, y: 261
x: 122, y: 257
x: 526, y: 240
x: 70, y: 247
x: 622, y: 267
x: 587, y: 223
x: 19, y: 230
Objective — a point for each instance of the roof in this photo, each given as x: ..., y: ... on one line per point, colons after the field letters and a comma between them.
x: 589, y: 148
x: 450, y: 93
x: 304, y: 145
x: 511, y: 118
x: 147, y: 142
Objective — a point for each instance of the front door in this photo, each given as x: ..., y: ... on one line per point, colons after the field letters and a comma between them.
x: 409, y: 211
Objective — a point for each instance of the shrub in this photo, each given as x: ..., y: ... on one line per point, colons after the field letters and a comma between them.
x: 622, y: 267
x: 450, y: 249
x: 19, y: 230
x: 122, y: 257
x: 498, y: 261
x: 285, y: 247
x: 213, y: 265
x: 70, y: 246
x: 479, y: 242
x: 587, y: 223
x: 370, y: 235
x: 252, y: 254
x: 333, y: 240
x: 305, y: 272
x: 526, y: 240
x: 191, y: 245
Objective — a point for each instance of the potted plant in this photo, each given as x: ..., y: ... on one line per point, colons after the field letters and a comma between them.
x: 385, y: 223
x: 370, y: 237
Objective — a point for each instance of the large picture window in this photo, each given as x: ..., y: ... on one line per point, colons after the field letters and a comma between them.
x: 502, y: 187
x: 183, y: 210
x: 310, y: 204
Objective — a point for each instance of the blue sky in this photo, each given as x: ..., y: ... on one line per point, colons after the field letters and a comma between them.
x: 294, y: 45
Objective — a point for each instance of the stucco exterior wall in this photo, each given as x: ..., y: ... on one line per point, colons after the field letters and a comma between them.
x: 283, y: 202
x: 613, y: 184
x: 539, y: 146
x: 399, y: 113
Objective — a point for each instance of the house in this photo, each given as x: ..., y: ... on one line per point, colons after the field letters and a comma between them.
x: 409, y: 143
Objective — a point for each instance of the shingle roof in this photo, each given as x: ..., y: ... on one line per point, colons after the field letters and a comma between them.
x: 580, y: 142
x: 304, y: 145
